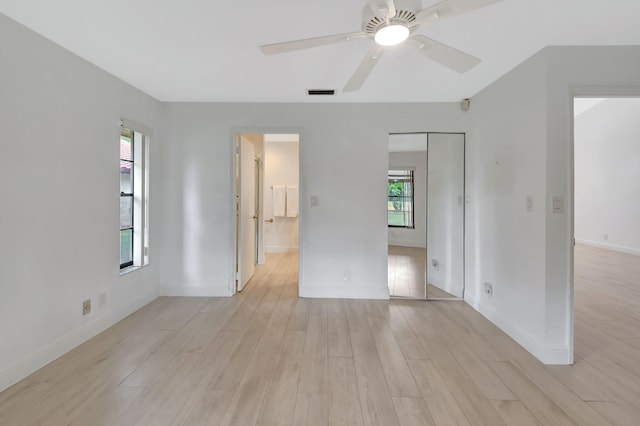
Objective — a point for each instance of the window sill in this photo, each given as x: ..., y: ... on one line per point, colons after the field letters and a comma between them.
x: 130, y: 269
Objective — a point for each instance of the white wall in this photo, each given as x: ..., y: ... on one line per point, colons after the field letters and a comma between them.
x: 520, y: 145
x: 280, y: 169
x: 343, y: 162
x: 416, y: 237
x: 607, y: 175
x: 506, y: 163
x: 59, y: 186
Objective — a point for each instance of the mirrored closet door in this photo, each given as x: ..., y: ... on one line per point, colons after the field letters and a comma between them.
x: 425, y: 214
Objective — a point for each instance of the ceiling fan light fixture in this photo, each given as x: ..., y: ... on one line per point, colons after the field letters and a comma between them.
x: 392, y: 34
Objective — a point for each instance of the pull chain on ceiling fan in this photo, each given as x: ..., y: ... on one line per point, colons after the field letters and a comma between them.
x: 390, y: 23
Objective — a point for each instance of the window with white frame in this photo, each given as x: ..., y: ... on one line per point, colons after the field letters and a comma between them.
x: 134, y: 232
x: 400, y: 198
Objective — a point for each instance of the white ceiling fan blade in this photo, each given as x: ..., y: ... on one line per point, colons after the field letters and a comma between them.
x: 443, y: 54
x: 363, y: 71
x: 449, y: 8
x: 289, y: 46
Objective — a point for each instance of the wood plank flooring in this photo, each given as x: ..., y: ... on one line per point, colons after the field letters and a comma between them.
x: 266, y: 357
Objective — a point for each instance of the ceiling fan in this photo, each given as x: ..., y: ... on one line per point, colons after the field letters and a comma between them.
x: 390, y: 23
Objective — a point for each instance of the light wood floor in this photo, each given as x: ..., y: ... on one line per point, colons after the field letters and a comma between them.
x: 267, y: 357
x: 407, y: 270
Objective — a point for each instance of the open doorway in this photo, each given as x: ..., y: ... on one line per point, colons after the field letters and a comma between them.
x: 606, y: 230
x: 266, y: 191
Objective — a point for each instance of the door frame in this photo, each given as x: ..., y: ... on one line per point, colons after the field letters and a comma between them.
x: 233, y: 235
x: 582, y: 92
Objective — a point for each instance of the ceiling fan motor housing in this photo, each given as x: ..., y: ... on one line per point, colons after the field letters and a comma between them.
x: 374, y: 20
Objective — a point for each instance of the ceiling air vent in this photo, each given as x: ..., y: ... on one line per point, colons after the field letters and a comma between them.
x: 321, y: 92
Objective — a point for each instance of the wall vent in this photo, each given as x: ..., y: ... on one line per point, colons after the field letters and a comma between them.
x: 321, y: 92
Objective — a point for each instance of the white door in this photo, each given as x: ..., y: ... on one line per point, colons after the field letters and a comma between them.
x: 247, y: 216
x: 445, y: 215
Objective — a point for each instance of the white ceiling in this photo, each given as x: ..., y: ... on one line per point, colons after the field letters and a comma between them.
x: 207, y: 50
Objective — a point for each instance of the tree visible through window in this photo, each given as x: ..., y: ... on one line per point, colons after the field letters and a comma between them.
x: 400, y: 198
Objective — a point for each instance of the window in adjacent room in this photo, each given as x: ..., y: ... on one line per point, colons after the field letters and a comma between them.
x: 400, y: 198
x: 133, y: 198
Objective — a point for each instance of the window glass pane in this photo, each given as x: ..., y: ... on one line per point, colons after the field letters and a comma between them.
x: 126, y: 183
x: 126, y: 212
x: 126, y: 246
x: 126, y: 143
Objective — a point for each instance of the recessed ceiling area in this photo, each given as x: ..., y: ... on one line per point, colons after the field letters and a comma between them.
x: 193, y: 50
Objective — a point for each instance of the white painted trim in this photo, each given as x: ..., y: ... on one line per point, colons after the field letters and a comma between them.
x: 136, y: 127
x: 195, y: 291
x: 280, y: 249
x: 550, y: 355
x: 64, y: 344
x: 608, y: 246
x: 345, y: 292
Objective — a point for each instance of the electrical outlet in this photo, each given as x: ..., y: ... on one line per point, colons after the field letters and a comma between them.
x: 346, y: 276
x: 86, y: 307
x: 488, y: 289
x: 606, y: 237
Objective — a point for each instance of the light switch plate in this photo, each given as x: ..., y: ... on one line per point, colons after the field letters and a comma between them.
x: 557, y: 203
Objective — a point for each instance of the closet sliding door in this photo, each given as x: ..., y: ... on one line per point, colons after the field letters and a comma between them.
x: 445, y: 215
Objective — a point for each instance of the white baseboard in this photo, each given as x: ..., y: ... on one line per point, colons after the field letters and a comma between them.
x: 64, y: 344
x: 195, y: 291
x: 609, y: 246
x: 280, y: 249
x: 546, y: 355
x: 344, y: 292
